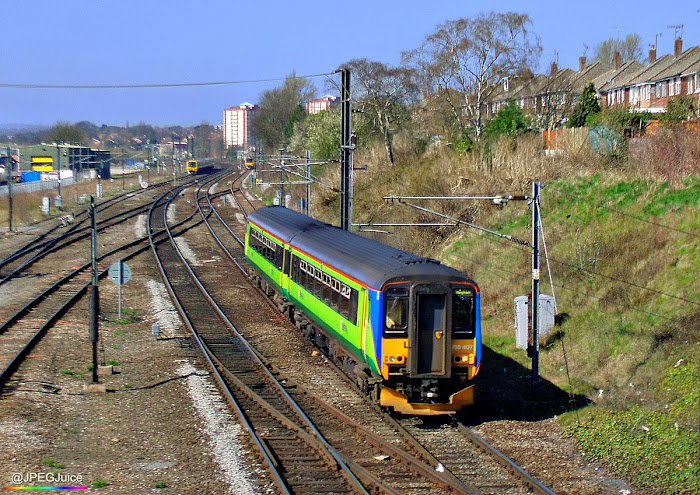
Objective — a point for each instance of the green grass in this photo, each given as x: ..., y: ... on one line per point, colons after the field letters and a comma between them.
x: 99, y: 483
x: 48, y: 461
x: 645, y: 446
x: 621, y: 338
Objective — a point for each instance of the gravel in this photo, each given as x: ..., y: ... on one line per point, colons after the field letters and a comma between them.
x: 221, y: 429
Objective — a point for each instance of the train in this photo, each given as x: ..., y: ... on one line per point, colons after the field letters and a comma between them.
x: 408, y: 328
x: 249, y: 163
x: 196, y: 168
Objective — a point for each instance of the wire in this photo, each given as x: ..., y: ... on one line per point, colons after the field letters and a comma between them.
x: 142, y: 86
x: 574, y: 291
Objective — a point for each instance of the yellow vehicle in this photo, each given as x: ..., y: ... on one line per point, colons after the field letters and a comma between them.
x: 192, y: 167
x: 249, y: 163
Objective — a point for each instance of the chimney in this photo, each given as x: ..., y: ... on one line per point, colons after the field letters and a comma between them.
x: 617, y: 61
x: 553, y: 69
x: 678, y: 47
x: 581, y: 63
x: 652, y: 54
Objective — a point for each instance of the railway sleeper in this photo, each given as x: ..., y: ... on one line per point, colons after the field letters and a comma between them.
x: 369, y: 383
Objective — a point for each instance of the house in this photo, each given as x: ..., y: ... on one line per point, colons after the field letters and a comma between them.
x: 644, y: 87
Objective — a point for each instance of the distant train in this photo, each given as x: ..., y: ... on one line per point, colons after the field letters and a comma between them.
x: 194, y: 167
x: 407, y: 327
x: 249, y: 163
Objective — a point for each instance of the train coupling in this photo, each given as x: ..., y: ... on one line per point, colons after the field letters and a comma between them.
x: 429, y: 390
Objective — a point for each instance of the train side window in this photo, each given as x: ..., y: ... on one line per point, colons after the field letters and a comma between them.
x: 463, y: 314
x: 287, y: 261
x: 396, y: 312
x: 352, y: 317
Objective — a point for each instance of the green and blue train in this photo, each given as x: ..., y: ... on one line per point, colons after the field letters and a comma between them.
x: 407, y: 327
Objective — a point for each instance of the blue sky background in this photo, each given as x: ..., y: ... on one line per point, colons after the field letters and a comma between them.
x: 95, y: 42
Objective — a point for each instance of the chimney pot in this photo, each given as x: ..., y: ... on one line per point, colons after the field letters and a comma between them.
x: 678, y: 47
x: 581, y: 63
x: 652, y: 54
x: 553, y: 69
x: 617, y: 61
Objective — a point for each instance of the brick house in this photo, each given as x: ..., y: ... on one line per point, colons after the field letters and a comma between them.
x: 643, y: 87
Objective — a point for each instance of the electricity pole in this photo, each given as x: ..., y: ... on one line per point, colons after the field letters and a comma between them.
x: 535, y: 285
x: 93, y: 293
x: 345, y: 151
x: 282, y: 202
x: 59, y: 202
x: 308, y: 181
x: 9, y: 166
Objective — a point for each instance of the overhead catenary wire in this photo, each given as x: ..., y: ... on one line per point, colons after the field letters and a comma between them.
x: 526, y: 246
x: 151, y: 85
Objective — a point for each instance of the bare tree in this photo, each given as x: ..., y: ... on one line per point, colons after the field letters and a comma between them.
x: 629, y: 49
x: 381, y: 92
x: 465, y: 58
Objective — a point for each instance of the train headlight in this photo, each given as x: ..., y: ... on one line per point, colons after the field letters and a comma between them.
x: 394, y: 359
x: 468, y: 359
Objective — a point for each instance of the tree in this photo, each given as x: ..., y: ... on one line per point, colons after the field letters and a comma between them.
x: 64, y: 132
x: 277, y: 107
x: 586, y: 107
x: 509, y: 121
x: 465, y: 59
x: 679, y: 108
x: 381, y: 92
x: 629, y: 49
x: 319, y: 133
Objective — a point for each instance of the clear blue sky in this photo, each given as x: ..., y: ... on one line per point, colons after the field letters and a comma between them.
x: 95, y: 42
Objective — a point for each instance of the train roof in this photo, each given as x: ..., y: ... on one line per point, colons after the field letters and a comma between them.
x: 363, y: 259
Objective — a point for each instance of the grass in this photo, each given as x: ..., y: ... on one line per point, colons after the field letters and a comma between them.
x: 48, y: 461
x: 628, y: 283
x: 99, y: 483
x: 645, y: 446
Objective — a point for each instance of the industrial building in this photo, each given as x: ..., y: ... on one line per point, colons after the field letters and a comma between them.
x: 81, y: 160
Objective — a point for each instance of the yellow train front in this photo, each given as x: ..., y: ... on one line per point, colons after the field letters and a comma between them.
x: 406, y: 326
x: 192, y: 167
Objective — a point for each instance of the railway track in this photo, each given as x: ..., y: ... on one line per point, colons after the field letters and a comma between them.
x: 32, y: 318
x: 71, y: 229
x: 355, y: 450
x: 450, y: 447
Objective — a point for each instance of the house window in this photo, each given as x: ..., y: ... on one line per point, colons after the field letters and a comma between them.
x: 658, y: 90
x: 678, y: 86
x: 689, y: 89
x: 663, y: 89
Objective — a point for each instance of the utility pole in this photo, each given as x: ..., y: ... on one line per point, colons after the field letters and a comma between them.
x: 59, y: 202
x: 345, y: 151
x: 308, y: 181
x: 282, y: 177
x: 94, y: 296
x: 9, y: 166
x: 535, y: 285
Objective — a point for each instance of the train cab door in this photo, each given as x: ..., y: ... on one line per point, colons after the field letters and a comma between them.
x: 430, y: 338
